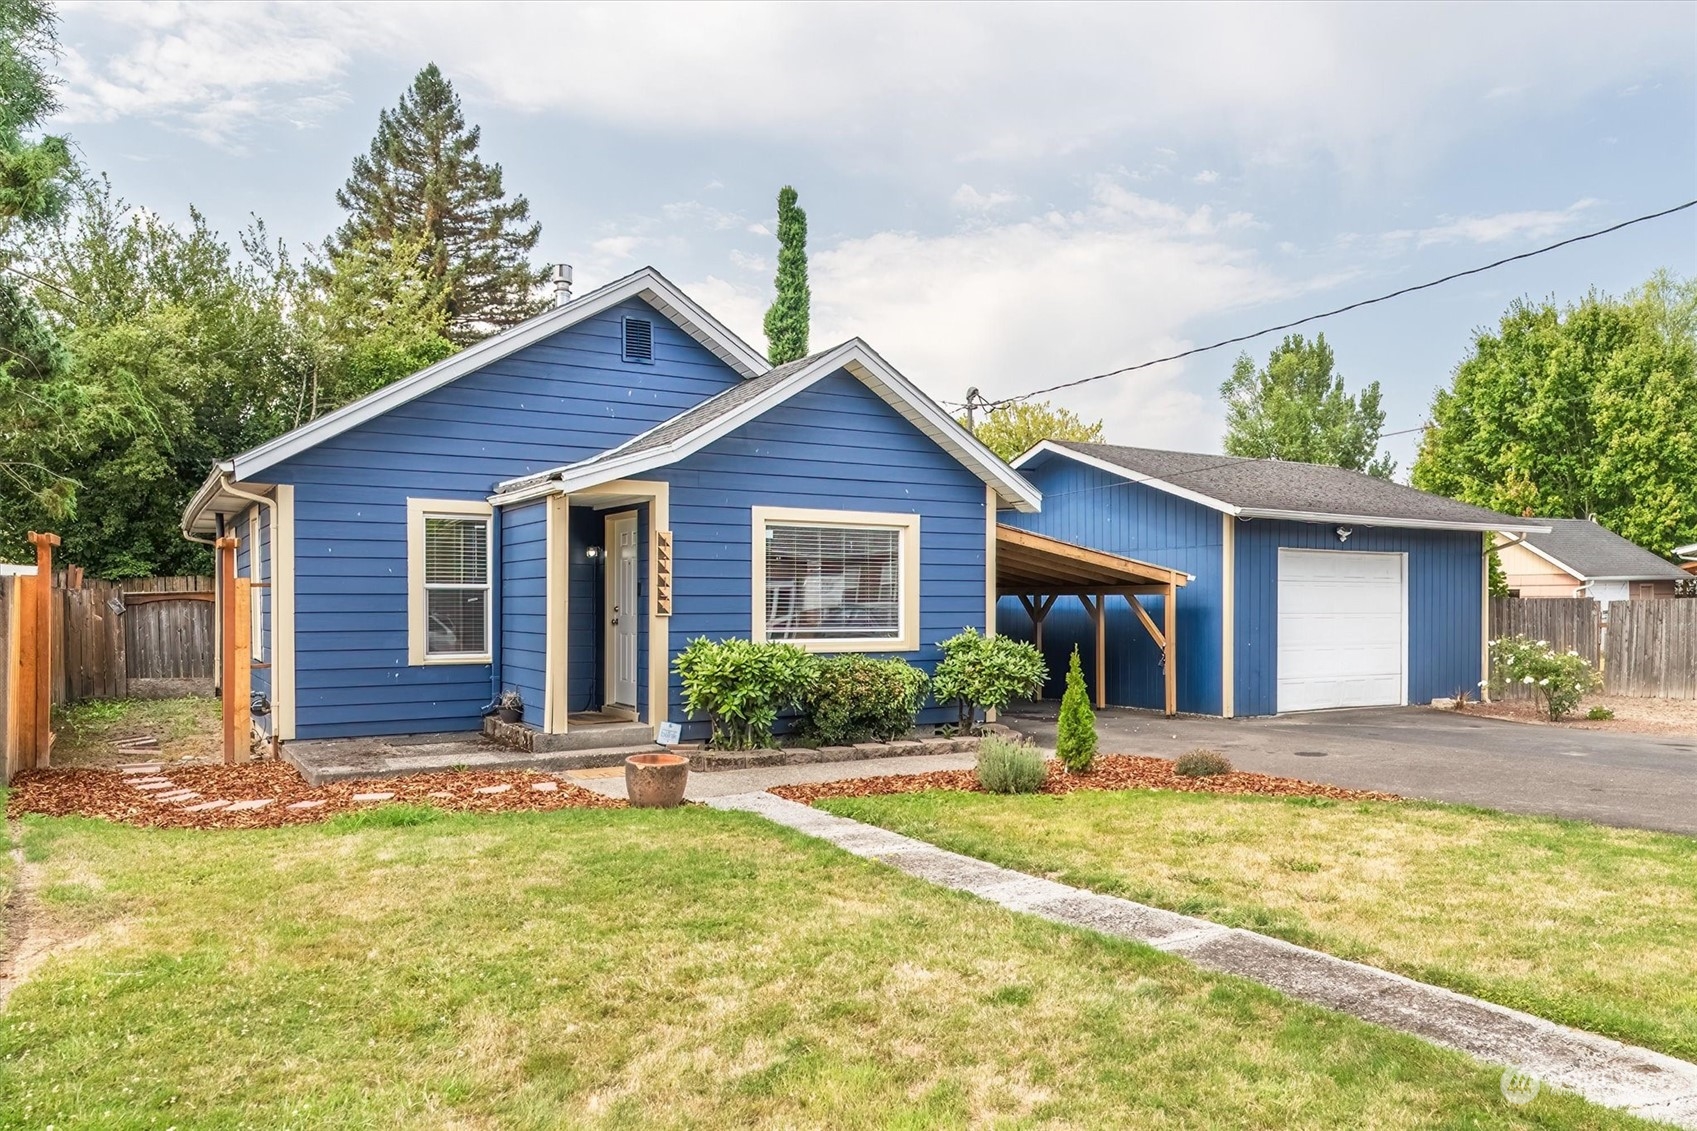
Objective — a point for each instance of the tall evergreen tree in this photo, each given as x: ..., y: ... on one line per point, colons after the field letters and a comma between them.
x: 423, y: 178
x: 787, y: 317
x: 1296, y: 409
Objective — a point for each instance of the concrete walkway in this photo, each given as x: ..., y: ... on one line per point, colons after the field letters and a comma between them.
x: 721, y: 783
x: 1639, y: 1081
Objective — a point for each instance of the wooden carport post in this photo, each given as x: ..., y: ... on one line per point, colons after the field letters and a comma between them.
x: 236, y: 677
x: 1170, y: 617
x: 1097, y: 607
x: 1038, y: 610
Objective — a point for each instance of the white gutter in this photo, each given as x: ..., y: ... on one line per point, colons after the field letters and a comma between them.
x: 1386, y: 521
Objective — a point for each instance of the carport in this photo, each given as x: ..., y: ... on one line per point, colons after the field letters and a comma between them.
x: 1038, y: 570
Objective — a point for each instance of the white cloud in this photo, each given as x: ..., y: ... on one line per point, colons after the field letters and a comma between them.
x: 747, y: 262
x: 1364, y: 84
x: 969, y: 199
x: 1206, y: 177
x: 1528, y: 224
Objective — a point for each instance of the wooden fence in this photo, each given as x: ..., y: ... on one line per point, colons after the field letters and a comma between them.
x: 143, y: 638
x: 1566, y: 622
x: 1650, y: 649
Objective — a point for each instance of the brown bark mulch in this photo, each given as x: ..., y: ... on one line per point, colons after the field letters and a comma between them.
x: 106, y: 794
x: 1111, y: 772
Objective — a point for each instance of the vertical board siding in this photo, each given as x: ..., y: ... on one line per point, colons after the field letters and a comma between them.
x: 1444, y: 604
x: 835, y: 446
x: 559, y: 400
x: 524, y: 604
x: 1103, y: 511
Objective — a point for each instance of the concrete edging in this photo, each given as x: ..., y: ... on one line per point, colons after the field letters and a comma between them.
x: 1607, y: 1072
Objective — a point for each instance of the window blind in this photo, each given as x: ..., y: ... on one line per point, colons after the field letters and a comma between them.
x: 456, y: 583
x: 832, y: 582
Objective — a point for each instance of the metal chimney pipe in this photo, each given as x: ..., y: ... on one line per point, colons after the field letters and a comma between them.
x: 562, y: 283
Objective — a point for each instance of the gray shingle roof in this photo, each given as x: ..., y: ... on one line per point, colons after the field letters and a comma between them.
x: 1256, y: 486
x: 1598, y: 552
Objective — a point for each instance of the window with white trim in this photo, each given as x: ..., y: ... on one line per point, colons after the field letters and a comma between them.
x: 837, y: 581
x: 448, y: 581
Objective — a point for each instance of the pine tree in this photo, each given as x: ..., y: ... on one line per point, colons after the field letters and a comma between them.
x: 787, y: 317
x: 1075, y: 732
x: 423, y: 177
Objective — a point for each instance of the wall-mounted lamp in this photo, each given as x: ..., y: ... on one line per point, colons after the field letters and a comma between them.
x: 1343, y: 533
x: 592, y: 552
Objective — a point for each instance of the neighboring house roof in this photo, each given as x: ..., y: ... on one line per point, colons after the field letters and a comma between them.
x: 695, y: 428
x: 1593, y: 552
x: 647, y: 284
x: 1280, y: 489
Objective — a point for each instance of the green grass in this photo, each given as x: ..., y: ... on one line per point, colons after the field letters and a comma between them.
x: 186, y: 728
x: 644, y: 969
x: 1591, y: 926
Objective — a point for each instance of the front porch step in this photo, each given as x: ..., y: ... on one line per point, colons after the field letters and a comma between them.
x: 321, y: 763
x: 597, y: 736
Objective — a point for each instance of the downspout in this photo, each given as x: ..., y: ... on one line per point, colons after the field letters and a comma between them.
x: 270, y: 572
x: 495, y: 609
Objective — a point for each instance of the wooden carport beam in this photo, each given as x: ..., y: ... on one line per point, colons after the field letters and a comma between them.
x: 1163, y: 640
x: 1038, y: 611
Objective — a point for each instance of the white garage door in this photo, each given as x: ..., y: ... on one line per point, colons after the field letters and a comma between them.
x: 1341, y: 629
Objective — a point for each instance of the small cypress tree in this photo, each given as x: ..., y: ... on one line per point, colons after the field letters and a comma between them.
x: 1075, y: 734
x: 787, y: 317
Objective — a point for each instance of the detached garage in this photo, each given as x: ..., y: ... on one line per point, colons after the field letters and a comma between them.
x: 1310, y: 587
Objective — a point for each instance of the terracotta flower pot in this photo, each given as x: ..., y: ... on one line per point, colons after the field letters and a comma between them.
x: 656, y: 781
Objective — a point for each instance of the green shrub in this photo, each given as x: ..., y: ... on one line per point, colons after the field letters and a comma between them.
x: 1075, y: 733
x: 1559, y: 679
x: 986, y: 673
x: 1599, y: 714
x: 1202, y: 764
x: 856, y: 699
x: 742, y: 686
x: 1010, y: 767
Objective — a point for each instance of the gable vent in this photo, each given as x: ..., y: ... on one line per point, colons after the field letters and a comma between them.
x: 639, y: 339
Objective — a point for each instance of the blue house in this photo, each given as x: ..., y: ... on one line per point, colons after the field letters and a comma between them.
x: 561, y: 508
x: 1309, y: 587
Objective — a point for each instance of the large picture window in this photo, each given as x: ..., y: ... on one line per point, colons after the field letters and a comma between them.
x: 836, y: 580
x: 448, y: 581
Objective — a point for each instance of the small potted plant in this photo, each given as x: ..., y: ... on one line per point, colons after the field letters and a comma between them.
x: 510, y: 708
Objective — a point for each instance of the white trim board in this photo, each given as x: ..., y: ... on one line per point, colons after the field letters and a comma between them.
x: 907, y: 542
x: 860, y: 360
x: 1049, y: 447
x: 418, y: 605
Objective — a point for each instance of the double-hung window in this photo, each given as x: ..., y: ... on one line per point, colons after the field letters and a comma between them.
x: 836, y: 581
x: 448, y: 570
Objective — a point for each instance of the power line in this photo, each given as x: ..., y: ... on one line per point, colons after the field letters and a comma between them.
x: 1340, y: 310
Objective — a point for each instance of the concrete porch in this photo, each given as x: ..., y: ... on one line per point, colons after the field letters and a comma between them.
x: 344, y: 759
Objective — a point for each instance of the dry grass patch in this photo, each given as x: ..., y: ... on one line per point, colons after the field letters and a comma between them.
x: 1586, y: 925
x: 187, y: 730
x: 630, y: 968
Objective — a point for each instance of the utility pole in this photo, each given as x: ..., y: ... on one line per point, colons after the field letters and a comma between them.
x: 973, y: 398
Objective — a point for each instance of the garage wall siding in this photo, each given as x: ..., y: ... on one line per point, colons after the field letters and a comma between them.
x: 1101, y: 510
x: 1444, y: 604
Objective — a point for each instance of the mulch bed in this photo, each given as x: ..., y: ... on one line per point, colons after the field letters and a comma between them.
x: 1111, y: 772
x: 106, y: 794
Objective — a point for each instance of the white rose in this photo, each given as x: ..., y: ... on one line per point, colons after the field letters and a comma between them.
x: 1545, y: 682
x: 1528, y: 679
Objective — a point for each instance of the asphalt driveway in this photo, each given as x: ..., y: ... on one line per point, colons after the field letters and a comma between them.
x: 1634, y: 781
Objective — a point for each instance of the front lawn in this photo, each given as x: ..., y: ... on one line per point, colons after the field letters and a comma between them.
x: 1590, y: 926
x: 402, y: 968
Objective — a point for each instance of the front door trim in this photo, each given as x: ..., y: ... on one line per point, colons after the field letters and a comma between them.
x: 614, y: 615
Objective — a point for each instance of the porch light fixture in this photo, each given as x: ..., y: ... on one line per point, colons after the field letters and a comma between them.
x: 1343, y: 533
x: 592, y: 552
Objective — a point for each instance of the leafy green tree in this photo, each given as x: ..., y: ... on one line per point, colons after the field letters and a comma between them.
x: 181, y: 353
x: 423, y: 179
x: 787, y: 317
x: 369, y: 316
x: 1075, y: 730
x: 34, y: 173
x: 1011, y: 429
x: 1585, y: 410
x: 1296, y: 409
x: 985, y: 673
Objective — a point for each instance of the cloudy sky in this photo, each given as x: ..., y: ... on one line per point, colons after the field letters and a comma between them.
x: 1005, y: 196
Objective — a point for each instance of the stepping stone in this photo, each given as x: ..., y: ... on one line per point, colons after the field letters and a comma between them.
x: 153, y: 785
x: 372, y: 796
x: 151, y: 768
x: 546, y: 786
x: 243, y: 806
x: 312, y: 804
x: 492, y: 788
x: 176, y: 795
x: 204, y: 806
x: 440, y: 793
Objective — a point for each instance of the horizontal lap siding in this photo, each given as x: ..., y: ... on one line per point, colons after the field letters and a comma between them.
x: 524, y: 604
x: 549, y: 404
x: 1444, y: 604
x: 836, y: 446
x: 1103, y: 511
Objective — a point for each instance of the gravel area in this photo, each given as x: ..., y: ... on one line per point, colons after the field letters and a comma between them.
x: 1632, y: 715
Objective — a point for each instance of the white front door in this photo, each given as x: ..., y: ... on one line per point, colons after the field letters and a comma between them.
x: 1342, y: 629
x: 623, y: 615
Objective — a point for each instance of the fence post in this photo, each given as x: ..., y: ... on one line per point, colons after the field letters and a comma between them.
x: 41, y: 646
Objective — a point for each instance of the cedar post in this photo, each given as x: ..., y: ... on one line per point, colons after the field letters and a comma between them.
x: 1100, y: 612
x: 240, y: 679
x: 41, y: 647
x: 1170, y: 616
x: 226, y: 549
